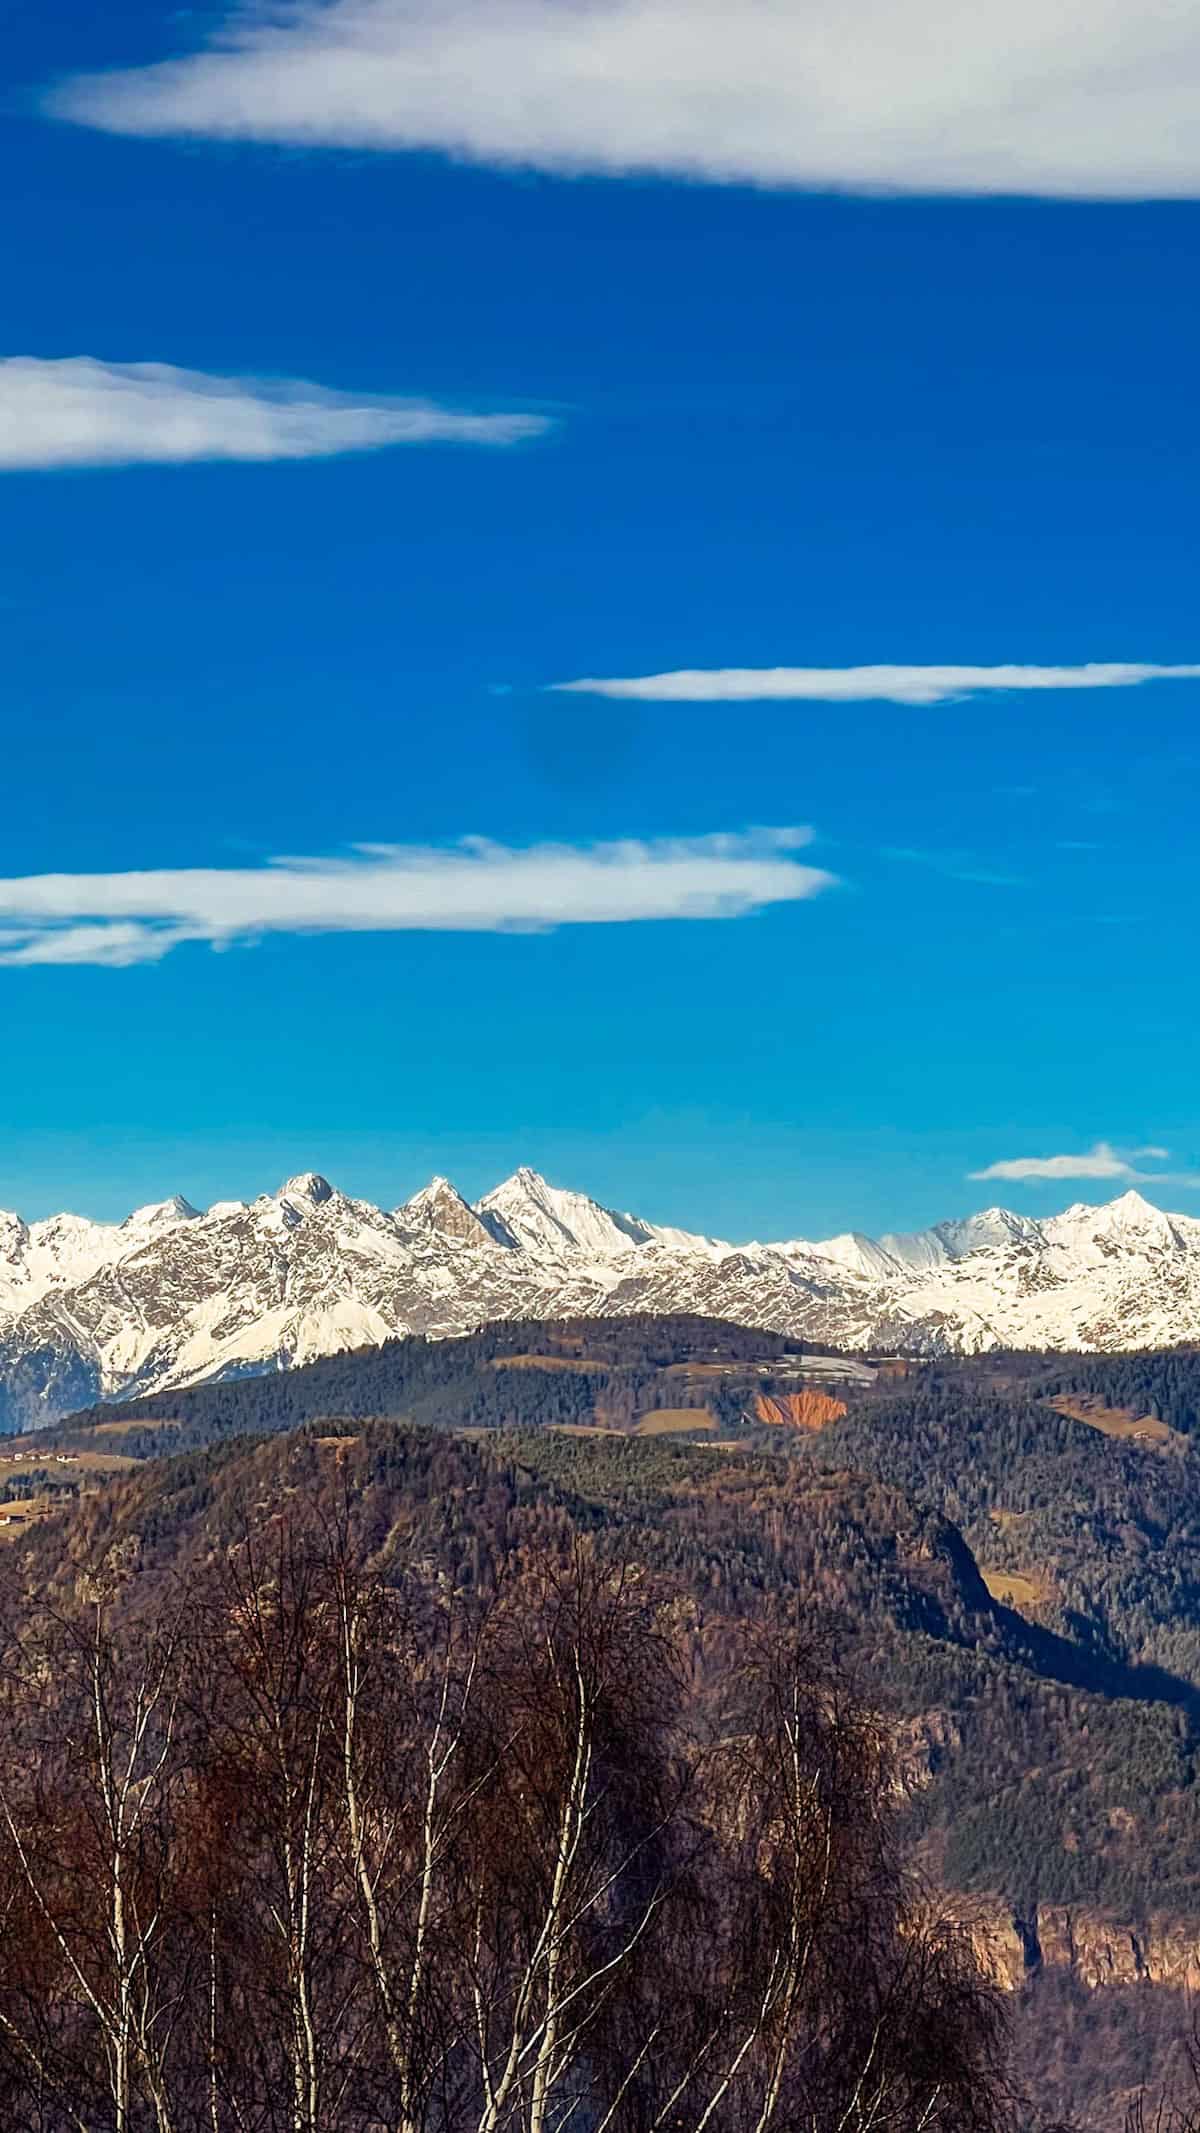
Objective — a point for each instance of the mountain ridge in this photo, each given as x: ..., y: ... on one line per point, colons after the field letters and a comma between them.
x: 175, y: 1295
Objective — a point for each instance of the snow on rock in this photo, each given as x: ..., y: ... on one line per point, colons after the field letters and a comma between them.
x: 856, y: 1253
x: 162, y: 1214
x: 956, y: 1240
x: 308, y: 1187
x: 1091, y: 1235
x: 543, y: 1219
x: 440, y: 1207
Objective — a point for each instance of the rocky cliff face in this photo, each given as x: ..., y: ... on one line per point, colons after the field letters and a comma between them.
x: 1096, y: 1948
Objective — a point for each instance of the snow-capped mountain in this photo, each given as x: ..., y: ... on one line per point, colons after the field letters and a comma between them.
x: 92, y: 1310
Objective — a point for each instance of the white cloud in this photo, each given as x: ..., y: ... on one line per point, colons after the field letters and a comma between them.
x: 79, y: 412
x: 115, y: 946
x: 1089, y: 98
x: 475, y: 887
x: 889, y: 684
x: 1102, y: 1161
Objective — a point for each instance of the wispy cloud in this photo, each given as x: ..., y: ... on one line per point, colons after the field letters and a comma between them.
x: 474, y: 887
x: 1103, y: 1161
x: 79, y: 412
x: 957, y: 866
x: 929, y: 96
x: 880, y: 684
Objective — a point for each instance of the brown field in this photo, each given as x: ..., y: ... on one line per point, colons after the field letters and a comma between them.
x: 1116, y: 1421
x: 75, y: 1462
x: 1017, y: 1588
x: 15, y: 1516
x: 673, y: 1421
x: 22, y: 1511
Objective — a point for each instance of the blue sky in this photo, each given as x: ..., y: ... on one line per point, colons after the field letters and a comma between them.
x: 751, y: 427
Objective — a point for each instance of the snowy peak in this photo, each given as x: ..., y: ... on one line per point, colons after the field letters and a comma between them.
x: 1130, y: 1215
x: 995, y: 1228
x: 440, y: 1207
x: 307, y: 1188
x: 162, y: 1214
x: 542, y: 1218
x: 1129, y: 1225
x: 64, y: 1249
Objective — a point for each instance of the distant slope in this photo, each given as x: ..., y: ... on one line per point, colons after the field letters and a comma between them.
x: 519, y: 1374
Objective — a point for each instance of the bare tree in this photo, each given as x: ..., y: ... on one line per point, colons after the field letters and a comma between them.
x: 1175, y: 2106
x: 283, y: 2043
x: 416, y: 1760
x: 575, y: 1868
x: 829, y: 1993
x: 93, y: 1774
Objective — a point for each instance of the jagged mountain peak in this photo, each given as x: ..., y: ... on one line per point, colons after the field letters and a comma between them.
x: 159, y: 1213
x: 545, y: 1217
x: 1131, y: 1206
x: 307, y: 1185
x: 991, y: 1228
x: 1128, y: 1222
x: 439, y: 1206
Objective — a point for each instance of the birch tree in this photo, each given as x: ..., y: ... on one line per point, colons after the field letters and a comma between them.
x: 575, y: 1871
x: 831, y: 1994
x: 280, y: 1969
x: 416, y: 1761
x: 94, y: 1771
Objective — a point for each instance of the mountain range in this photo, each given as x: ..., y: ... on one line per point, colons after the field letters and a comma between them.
x: 173, y: 1295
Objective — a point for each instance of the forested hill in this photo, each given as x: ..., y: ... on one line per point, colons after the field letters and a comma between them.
x: 1007, y: 1556
x: 1074, y: 1480
x: 994, y: 1702
x: 610, y: 1372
